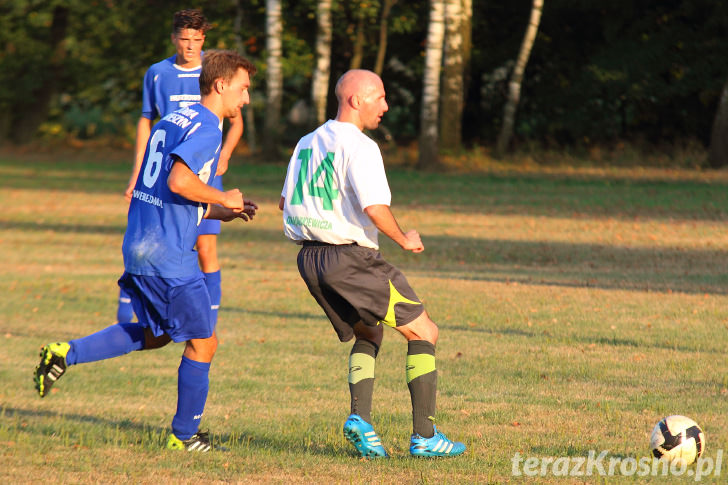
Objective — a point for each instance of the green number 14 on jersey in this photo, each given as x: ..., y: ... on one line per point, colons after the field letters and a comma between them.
x: 326, y: 192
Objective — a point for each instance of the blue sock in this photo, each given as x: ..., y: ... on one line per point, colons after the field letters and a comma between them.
x: 125, y: 312
x: 212, y: 281
x: 193, y: 382
x: 112, y: 341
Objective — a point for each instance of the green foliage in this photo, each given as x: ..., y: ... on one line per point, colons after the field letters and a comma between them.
x: 618, y: 70
x: 598, y: 72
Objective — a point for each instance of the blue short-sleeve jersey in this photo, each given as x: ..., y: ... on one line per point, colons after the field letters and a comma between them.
x: 162, y: 226
x: 168, y: 87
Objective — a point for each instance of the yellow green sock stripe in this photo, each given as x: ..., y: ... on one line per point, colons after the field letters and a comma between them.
x: 361, y: 366
x: 419, y: 365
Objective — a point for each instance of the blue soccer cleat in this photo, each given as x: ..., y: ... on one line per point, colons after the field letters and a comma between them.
x: 438, y: 445
x: 362, y: 435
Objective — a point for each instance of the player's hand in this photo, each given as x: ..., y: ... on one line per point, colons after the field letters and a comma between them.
x: 412, y: 242
x: 129, y: 192
x: 250, y: 208
x: 247, y: 213
x: 227, y: 215
x: 233, y: 199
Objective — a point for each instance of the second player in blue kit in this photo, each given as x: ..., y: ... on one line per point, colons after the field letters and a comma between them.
x: 172, y: 196
x: 169, y: 85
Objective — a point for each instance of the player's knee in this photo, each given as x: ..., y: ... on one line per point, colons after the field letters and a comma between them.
x: 421, y: 328
x: 213, y: 342
x: 428, y: 330
x: 435, y: 333
x: 201, y: 350
x: 425, y: 329
x: 208, y: 346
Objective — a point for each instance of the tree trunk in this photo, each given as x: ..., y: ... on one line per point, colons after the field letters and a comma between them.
x: 718, y: 154
x: 31, y: 114
x: 428, y: 139
x: 274, y: 76
x: 358, y: 54
x: 467, y: 41
x: 322, y: 72
x: 238, y: 26
x: 514, y: 85
x: 383, y: 36
x: 454, y: 65
x: 248, y: 113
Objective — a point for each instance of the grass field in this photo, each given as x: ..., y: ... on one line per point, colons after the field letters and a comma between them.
x: 576, y: 309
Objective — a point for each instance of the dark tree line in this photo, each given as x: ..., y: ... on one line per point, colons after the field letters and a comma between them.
x: 599, y: 72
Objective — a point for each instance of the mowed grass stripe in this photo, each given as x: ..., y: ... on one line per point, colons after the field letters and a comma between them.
x: 576, y: 310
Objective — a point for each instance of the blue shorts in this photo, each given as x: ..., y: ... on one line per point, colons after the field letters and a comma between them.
x: 211, y: 226
x: 179, y: 307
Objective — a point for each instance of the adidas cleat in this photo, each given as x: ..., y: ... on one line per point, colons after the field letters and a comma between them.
x: 438, y: 445
x: 52, y: 366
x: 362, y: 435
x: 197, y: 442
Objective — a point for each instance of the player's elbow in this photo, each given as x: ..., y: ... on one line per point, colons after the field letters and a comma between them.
x: 175, y: 183
x: 374, y: 210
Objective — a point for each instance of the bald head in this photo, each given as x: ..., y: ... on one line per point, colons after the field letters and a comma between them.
x: 361, y: 98
x: 356, y: 81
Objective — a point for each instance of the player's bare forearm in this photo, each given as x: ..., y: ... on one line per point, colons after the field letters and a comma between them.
x: 144, y: 129
x: 383, y: 218
x: 226, y: 215
x: 235, y: 131
x: 183, y: 182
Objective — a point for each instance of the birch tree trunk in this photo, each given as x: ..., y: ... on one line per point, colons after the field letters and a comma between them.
x: 322, y: 72
x: 248, y: 113
x: 274, y: 75
x: 428, y: 139
x: 718, y: 154
x: 457, y: 44
x: 514, y: 85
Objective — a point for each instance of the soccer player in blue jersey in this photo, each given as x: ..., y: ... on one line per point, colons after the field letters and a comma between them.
x: 172, y: 196
x: 169, y: 85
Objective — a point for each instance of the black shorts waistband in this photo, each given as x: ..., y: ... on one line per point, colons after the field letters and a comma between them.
x: 306, y: 244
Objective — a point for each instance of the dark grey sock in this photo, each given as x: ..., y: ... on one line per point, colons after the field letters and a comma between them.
x: 422, y: 383
x: 362, y: 360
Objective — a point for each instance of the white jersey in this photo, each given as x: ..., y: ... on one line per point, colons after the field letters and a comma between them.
x: 335, y: 173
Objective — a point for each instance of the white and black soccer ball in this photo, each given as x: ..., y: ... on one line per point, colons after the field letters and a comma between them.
x: 677, y: 438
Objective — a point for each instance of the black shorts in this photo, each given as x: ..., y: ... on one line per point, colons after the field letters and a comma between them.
x: 353, y: 283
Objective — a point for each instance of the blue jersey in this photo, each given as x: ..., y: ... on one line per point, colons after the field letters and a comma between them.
x: 168, y: 87
x: 162, y: 226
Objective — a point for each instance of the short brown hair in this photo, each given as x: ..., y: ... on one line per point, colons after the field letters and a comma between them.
x: 222, y: 64
x: 189, y: 19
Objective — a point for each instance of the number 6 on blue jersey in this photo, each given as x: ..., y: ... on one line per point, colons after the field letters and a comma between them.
x: 154, y: 161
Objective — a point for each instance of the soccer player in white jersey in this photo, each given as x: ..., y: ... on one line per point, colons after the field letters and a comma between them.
x: 171, y: 84
x: 172, y: 195
x: 335, y: 200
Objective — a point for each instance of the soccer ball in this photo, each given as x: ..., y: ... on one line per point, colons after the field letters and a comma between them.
x: 677, y: 438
